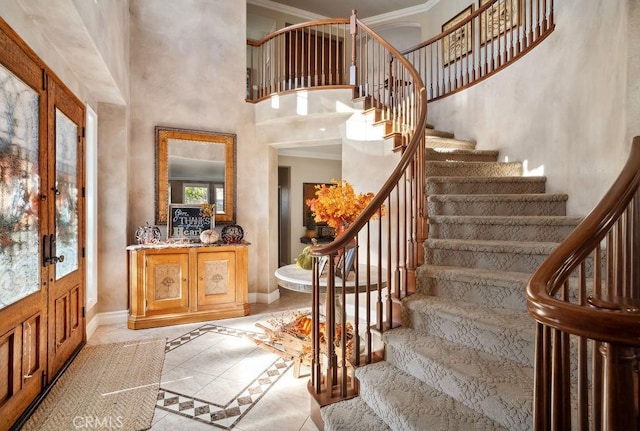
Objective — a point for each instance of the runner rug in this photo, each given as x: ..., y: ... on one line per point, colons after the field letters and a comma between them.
x: 107, y: 386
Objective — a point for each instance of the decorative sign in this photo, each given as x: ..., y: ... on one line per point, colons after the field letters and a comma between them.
x: 185, y: 221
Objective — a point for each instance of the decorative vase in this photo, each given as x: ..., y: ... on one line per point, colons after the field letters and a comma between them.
x: 148, y: 234
x: 232, y: 234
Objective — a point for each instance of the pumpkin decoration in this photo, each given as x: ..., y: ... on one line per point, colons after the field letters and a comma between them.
x: 209, y: 236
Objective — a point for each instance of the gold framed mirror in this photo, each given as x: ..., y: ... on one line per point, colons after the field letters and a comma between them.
x: 195, y: 167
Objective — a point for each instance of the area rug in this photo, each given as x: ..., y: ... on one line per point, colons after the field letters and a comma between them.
x: 108, y: 386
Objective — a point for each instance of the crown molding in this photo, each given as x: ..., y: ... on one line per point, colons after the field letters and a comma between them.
x: 400, y: 13
x: 373, y: 20
x: 279, y: 7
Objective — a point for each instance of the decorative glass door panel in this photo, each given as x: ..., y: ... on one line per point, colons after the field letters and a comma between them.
x: 66, y: 195
x: 19, y: 190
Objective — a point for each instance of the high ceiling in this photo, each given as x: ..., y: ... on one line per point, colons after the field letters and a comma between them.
x: 342, y: 8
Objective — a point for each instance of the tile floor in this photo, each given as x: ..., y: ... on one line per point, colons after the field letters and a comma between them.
x: 214, y: 377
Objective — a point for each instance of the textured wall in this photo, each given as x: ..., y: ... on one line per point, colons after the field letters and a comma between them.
x: 188, y: 70
x: 562, y: 106
x: 113, y: 143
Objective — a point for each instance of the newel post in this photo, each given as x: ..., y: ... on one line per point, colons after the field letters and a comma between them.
x: 353, y: 69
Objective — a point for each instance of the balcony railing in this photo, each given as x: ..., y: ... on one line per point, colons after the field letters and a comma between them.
x: 475, y: 45
x: 339, y: 52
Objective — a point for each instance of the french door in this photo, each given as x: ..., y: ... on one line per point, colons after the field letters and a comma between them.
x: 62, y: 246
x: 41, y: 226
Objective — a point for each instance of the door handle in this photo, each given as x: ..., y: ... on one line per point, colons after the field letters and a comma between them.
x: 52, y: 258
x: 45, y: 250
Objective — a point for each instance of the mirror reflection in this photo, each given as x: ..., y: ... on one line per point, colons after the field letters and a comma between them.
x: 195, y: 167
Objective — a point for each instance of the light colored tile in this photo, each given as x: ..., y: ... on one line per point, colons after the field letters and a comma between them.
x: 185, y: 381
x: 158, y: 414
x: 309, y: 426
x: 173, y: 422
x: 291, y: 385
x: 276, y: 411
x: 250, y: 367
x: 220, y: 391
x: 184, y: 353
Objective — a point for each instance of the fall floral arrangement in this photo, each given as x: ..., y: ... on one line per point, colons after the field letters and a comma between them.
x: 338, y: 205
x: 207, y: 210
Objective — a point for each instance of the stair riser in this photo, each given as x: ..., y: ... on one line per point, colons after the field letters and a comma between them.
x: 485, y: 188
x: 511, y: 297
x: 438, y: 133
x: 497, y: 208
x: 437, y: 156
x: 467, y: 332
x: 471, y: 392
x: 497, y: 261
x: 543, y: 233
x: 462, y: 169
x: 485, y: 260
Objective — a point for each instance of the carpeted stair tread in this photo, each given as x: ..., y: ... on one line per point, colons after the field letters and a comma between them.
x: 438, y: 142
x: 512, y: 228
x: 472, y: 169
x: 529, y: 197
x: 485, y: 185
x: 487, y: 254
x: 481, y: 286
x: 351, y: 415
x: 408, y: 404
x: 482, y: 179
x: 507, y: 220
x: 461, y: 155
x: 496, y: 387
x: 522, y: 247
x: 526, y: 204
x: 499, y: 331
x: 481, y: 276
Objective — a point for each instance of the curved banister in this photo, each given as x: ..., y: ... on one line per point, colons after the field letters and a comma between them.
x: 383, y: 194
x: 588, y: 321
x: 294, y: 27
x: 585, y: 298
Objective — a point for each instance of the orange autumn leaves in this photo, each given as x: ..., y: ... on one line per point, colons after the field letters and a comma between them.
x: 338, y: 205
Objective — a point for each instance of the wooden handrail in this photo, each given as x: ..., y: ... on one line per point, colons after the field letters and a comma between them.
x: 620, y: 324
x: 585, y: 298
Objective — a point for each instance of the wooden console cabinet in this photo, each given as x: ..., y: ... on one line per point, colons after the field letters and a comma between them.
x: 185, y: 284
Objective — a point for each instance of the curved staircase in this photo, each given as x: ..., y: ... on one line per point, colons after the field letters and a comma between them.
x: 463, y: 358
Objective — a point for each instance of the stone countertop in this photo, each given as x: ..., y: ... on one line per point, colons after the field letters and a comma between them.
x: 182, y: 244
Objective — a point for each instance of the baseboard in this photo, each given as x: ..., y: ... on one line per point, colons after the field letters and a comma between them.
x: 92, y: 325
x: 263, y: 298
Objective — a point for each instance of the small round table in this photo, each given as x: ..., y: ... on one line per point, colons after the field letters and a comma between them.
x: 292, y: 277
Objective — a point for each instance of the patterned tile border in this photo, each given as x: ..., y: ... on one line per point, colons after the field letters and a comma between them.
x: 220, y: 416
x: 205, y: 329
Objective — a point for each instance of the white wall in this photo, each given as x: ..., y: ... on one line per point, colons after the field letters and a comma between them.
x: 561, y: 107
x: 188, y: 71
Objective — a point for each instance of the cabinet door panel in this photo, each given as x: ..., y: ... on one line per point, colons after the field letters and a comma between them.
x: 167, y: 280
x: 216, y: 278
